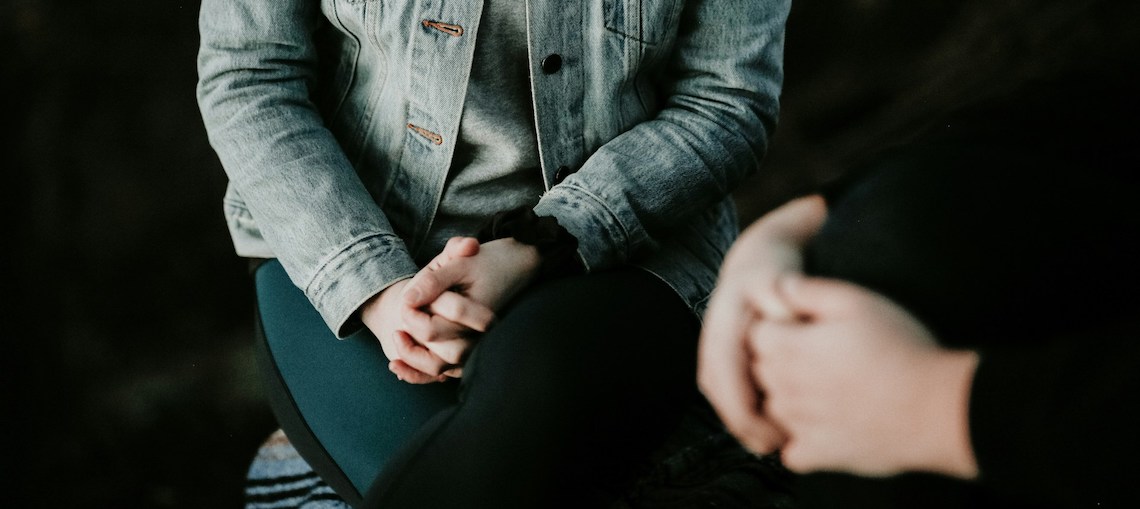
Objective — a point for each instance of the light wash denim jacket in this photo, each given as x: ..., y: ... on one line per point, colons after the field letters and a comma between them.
x: 336, y: 121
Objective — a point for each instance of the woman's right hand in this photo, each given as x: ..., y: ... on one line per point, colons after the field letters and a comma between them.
x: 381, y: 314
x: 460, y: 287
x: 427, y: 344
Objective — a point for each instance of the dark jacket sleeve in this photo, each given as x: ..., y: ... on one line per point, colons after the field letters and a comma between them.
x: 1059, y: 422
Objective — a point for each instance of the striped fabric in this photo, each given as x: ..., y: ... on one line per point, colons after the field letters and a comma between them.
x: 279, y: 479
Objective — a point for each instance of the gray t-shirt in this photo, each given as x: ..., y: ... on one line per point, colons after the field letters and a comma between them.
x: 496, y: 165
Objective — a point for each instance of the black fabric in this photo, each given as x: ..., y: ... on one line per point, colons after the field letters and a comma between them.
x: 558, y: 248
x: 561, y: 403
x: 1013, y: 231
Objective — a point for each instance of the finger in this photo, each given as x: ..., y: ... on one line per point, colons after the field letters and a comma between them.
x: 456, y: 372
x: 417, y: 356
x: 461, y: 246
x: 457, y: 247
x: 723, y: 363
x: 453, y: 351
x: 447, y: 340
x: 462, y: 310
x: 763, y: 437
x: 761, y: 431
x: 775, y: 342
x: 425, y: 328
x: 411, y: 375
x: 428, y: 285
x: 775, y: 351
x: 765, y: 299
x: 799, y: 219
x: 759, y: 275
x: 778, y: 366
x: 812, y: 297
x: 797, y: 458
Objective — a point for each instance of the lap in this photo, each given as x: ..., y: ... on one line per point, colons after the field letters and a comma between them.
x: 576, y: 384
x: 568, y: 350
x: 335, y: 399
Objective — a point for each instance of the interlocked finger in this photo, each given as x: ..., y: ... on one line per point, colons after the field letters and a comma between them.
x: 462, y: 310
x: 419, y: 357
x: 425, y: 327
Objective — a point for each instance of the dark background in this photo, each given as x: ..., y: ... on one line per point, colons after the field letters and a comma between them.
x: 127, y: 369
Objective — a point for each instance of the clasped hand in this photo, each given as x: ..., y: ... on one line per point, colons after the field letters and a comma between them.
x: 832, y: 375
x: 427, y: 325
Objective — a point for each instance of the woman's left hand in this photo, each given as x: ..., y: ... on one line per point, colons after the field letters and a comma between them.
x: 488, y: 278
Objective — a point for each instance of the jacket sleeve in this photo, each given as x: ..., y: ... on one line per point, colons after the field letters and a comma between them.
x: 721, y: 104
x: 1057, y: 422
x: 256, y: 65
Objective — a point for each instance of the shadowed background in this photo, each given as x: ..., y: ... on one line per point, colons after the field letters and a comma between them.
x: 128, y: 377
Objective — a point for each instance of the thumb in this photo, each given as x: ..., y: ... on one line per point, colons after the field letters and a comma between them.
x: 428, y: 285
x: 458, y: 247
x: 811, y: 297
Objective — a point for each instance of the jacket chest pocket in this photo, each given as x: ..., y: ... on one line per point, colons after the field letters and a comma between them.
x: 648, y: 21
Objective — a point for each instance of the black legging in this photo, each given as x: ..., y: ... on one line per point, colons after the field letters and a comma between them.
x: 561, y: 401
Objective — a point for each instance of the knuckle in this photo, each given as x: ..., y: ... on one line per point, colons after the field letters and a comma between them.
x: 792, y: 457
x: 408, y: 314
x: 454, y: 357
x: 426, y: 280
x: 447, y: 353
x: 706, y: 383
x: 429, y: 367
x: 734, y: 426
x: 762, y: 444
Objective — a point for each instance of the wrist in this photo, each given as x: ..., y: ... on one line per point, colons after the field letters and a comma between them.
x: 526, y: 256
x: 377, y: 301
x: 950, y: 450
x: 552, y: 247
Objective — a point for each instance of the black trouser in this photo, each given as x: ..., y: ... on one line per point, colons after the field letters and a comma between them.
x: 560, y: 403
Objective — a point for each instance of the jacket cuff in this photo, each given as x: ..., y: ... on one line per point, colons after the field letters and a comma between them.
x: 1004, y: 390
x: 603, y: 240
x: 350, y: 277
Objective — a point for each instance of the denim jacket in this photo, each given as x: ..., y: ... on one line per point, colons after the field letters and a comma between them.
x: 336, y: 121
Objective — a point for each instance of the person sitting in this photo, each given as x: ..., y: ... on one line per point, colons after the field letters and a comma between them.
x: 953, y: 325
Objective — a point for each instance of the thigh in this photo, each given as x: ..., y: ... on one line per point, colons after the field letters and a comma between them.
x: 606, y: 361
x: 598, y: 335
x: 579, y: 381
x: 336, y: 400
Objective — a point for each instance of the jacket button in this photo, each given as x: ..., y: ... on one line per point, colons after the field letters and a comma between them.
x: 561, y: 174
x: 552, y: 63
